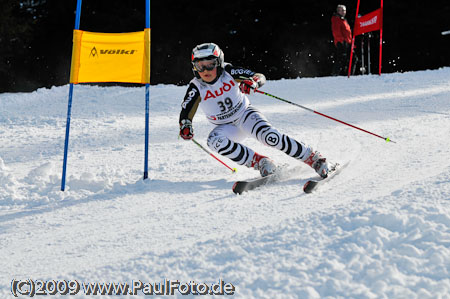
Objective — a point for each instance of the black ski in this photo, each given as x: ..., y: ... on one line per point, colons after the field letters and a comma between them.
x: 313, y: 184
x: 242, y: 186
x: 282, y: 172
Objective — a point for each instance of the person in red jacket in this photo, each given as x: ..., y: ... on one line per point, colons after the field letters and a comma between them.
x: 342, y: 35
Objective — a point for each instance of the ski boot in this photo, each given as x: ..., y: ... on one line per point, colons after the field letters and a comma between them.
x: 263, y: 164
x: 318, y: 163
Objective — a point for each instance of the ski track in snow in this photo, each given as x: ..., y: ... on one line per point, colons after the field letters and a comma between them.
x: 380, y: 229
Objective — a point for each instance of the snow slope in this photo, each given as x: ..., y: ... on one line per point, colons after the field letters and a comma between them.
x: 381, y: 229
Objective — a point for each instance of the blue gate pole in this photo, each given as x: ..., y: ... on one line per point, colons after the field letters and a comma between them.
x: 69, y: 108
x: 147, y: 97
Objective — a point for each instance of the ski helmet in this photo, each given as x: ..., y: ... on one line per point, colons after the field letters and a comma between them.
x: 207, y: 51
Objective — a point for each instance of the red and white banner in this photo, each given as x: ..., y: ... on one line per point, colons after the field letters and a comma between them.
x: 371, y: 22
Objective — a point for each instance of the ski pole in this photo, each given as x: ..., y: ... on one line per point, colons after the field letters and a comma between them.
x: 316, y: 112
x: 200, y: 146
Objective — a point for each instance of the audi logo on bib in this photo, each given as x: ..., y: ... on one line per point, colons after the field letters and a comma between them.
x: 217, y: 93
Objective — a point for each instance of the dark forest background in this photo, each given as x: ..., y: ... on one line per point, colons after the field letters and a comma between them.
x: 282, y: 39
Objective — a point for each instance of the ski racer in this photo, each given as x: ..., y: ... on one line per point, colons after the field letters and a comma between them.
x: 221, y: 90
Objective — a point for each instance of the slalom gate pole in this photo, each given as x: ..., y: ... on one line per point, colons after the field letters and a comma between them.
x: 200, y: 146
x: 321, y: 114
x: 147, y: 99
x: 69, y: 108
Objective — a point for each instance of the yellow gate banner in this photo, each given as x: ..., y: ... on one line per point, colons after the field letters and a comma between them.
x: 110, y: 57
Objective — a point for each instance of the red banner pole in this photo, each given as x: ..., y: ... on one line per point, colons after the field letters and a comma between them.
x: 353, y: 41
x: 381, y: 38
x: 351, y: 56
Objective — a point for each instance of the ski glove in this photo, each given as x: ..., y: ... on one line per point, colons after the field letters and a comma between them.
x: 186, y: 130
x: 249, y: 85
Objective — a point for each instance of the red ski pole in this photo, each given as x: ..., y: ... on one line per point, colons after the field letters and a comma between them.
x: 200, y: 146
x: 316, y: 112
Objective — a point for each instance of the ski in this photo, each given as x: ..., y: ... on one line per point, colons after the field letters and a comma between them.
x: 313, y: 184
x: 241, y: 186
x: 282, y: 172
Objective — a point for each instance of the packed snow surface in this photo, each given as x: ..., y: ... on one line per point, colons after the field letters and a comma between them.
x: 379, y: 229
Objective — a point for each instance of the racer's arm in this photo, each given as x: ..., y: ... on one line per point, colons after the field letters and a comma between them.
x: 188, y: 109
x: 249, y: 79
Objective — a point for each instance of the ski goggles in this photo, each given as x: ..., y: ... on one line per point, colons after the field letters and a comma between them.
x: 202, y: 65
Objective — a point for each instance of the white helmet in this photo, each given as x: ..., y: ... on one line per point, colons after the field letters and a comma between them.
x: 207, y: 51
